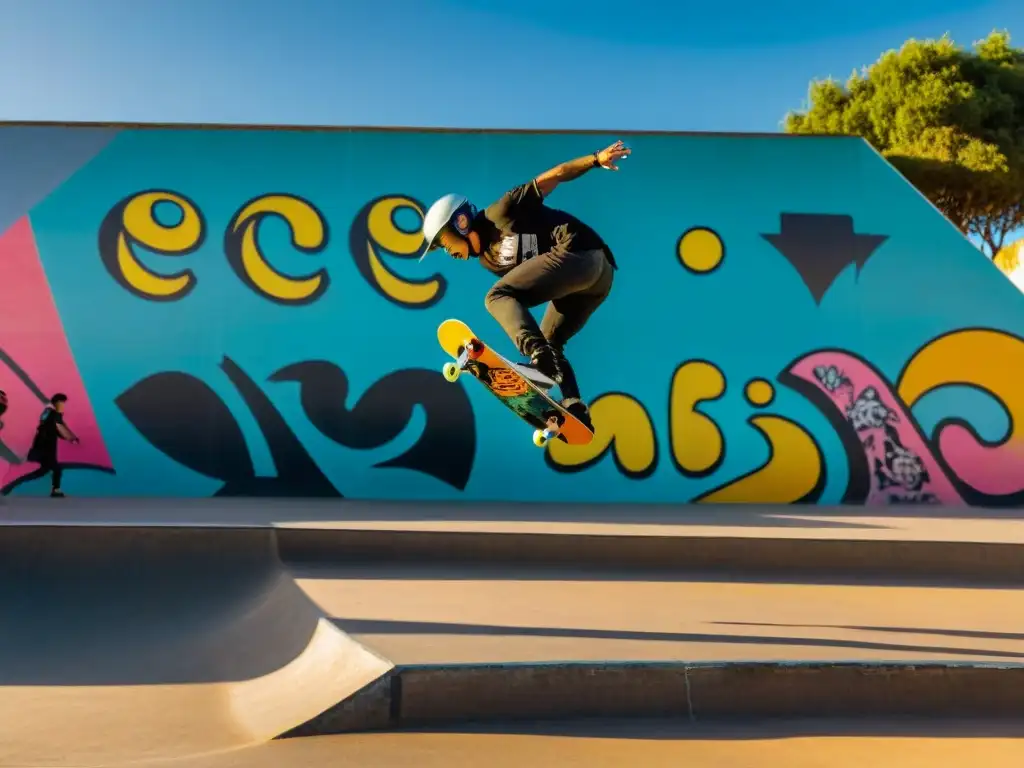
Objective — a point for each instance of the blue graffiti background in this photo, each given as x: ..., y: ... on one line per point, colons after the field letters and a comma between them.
x: 750, y: 317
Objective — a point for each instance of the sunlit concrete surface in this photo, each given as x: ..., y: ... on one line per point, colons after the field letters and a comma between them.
x: 659, y: 744
x: 122, y: 645
x: 465, y: 614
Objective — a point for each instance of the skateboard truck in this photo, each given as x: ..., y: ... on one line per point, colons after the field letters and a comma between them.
x: 554, y: 428
x: 471, y: 350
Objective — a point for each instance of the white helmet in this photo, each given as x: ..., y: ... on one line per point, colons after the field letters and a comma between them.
x: 440, y: 214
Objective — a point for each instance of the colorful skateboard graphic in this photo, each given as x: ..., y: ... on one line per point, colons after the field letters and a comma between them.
x: 502, y: 378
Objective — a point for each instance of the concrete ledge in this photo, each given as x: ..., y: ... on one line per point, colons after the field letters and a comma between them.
x: 445, y: 695
x: 981, y: 545
x: 992, y: 562
x: 980, y: 562
x: 110, y: 545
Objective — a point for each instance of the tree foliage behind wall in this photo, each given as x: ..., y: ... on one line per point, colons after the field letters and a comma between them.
x: 951, y: 120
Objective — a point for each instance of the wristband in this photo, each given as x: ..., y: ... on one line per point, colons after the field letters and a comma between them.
x: 597, y: 161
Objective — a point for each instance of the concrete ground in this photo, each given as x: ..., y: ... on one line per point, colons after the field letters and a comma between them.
x: 652, y: 744
x: 191, y: 647
x: 448, y: 614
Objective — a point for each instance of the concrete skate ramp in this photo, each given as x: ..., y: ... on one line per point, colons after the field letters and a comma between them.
x: 122, y: 644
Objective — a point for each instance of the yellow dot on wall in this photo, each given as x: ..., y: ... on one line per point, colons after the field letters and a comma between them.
x: 759, y: 392
x: 700, y: 250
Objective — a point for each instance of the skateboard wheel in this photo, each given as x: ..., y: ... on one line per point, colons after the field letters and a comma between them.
x: 474, y: 348
x: 540, y: 437
x: 451, y: 372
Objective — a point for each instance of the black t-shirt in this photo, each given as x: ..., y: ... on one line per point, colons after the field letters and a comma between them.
x: 44, y: 445
x: 519, y: 226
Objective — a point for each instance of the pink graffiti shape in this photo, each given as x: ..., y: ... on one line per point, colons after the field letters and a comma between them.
x: 867, y: 403
x: 994, y: 470
x: 35, y: 342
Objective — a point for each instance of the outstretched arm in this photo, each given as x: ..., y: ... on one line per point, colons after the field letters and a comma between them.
x: 573, y: 169
x: 66, y: 433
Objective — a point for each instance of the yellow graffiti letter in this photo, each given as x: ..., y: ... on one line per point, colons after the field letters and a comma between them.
x: 792, y: 473
x: 986, y: 359
x: 375, y: 232
x: 697, y: 443
x: 132, y: 224
x: 309, y: 235
x: 621, y: 425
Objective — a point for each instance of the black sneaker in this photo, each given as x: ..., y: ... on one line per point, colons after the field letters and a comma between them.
x: 579, y: 409
x: 544, y: 360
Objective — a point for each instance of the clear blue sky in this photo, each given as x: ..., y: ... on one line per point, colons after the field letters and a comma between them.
x: 639, y: 64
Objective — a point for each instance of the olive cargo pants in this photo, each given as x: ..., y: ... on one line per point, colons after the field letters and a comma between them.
x: 576, y: 284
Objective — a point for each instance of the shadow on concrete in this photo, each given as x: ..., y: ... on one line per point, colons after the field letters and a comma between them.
x: 730, y: 729
x: 109, y: 607
x: 123, y: 645
x: 971, y: 633
x: 258, y: 511
x: 384, y: 570
x: 357, y: 627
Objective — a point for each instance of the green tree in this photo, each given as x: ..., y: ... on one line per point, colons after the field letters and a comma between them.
x: 950, y: 120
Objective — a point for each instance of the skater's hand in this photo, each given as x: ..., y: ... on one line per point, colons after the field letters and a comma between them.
x: 607, y: 157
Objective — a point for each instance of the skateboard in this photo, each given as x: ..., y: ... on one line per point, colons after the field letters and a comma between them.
x: 505, y: 381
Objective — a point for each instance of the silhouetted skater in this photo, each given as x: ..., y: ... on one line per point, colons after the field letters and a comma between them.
x: 44, y: 445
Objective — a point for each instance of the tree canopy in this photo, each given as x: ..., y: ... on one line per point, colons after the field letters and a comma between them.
x: 950, y: 120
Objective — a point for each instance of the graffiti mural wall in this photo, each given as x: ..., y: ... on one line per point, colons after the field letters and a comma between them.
x: 244, y: 313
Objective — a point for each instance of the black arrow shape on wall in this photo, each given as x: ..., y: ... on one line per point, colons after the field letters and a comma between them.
x: 820, y: 246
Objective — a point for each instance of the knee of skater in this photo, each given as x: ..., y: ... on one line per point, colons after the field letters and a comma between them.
x: 495, y: 295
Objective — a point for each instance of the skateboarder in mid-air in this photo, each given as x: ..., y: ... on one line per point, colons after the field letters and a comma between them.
x: 540, y: 254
